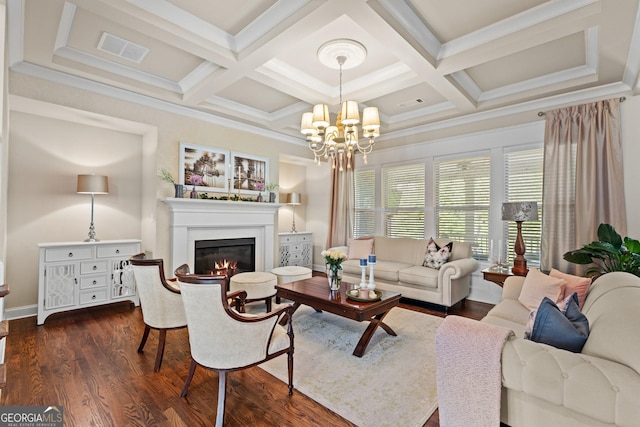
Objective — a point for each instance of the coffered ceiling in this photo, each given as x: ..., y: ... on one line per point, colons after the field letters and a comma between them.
x: 432, y: 67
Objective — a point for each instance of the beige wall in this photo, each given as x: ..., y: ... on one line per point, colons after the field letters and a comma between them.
x: 45, y: 157
x: 631, y: 147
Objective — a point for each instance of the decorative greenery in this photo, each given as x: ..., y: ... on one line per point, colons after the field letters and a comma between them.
x: 609, y: 253
x: 233, y: 198
x: 271, y: 187
x: 166, y: 176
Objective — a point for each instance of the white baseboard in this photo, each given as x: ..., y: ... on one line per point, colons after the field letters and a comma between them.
x: 21, y: 312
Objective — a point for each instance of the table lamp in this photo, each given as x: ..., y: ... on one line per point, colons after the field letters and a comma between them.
x: 293, y: 199
x: 519, y: 212
x: 92, y: 184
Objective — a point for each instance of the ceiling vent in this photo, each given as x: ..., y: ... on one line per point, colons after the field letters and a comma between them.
x: 122, y: 48
x: 411, y: 103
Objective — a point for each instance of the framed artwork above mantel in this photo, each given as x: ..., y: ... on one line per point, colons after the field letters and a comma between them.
x: 205, y: 168
x: 249, y: 173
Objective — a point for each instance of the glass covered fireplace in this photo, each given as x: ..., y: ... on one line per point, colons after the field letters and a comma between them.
x: 225, y: 256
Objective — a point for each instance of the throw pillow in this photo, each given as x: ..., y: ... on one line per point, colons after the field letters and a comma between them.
x: 436, y: 256
x: 360, y: 248
x: 567, y: 331
x: 573, y: 284
x: 538, y: 285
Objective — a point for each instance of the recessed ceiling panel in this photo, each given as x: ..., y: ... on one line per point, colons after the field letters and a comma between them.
x: 256, y: 95
x: 230, y: 16
x: 302, y: 54
x: 161, y: 60
x: 451, y: 19
x: 558, y: 55
x: 406, y: 100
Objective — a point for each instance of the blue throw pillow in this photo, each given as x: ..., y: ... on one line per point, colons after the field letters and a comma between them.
x: 568, y: 330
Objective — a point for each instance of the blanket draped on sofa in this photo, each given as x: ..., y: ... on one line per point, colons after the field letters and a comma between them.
x: 469, y: 374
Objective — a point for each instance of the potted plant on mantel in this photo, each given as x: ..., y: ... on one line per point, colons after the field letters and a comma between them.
x: 166, y: 176
x: 271, y: 188
x: 609, y: 253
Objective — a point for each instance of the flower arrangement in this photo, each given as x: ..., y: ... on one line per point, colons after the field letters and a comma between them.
x: 334, y: 258
x: 195, y: 179
x: 271, y: 187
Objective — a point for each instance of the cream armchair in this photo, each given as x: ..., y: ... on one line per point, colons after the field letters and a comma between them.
x: 160, y: 302
x: 225, y: 340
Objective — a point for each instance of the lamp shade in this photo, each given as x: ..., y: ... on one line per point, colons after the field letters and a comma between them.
x: 520, y: 211
x: 293, y: 198
x: 93, y: 184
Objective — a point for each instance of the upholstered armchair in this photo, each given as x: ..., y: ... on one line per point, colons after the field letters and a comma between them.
x: 160, y: 302
x: 224, y: 340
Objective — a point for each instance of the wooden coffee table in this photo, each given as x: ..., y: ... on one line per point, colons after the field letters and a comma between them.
x: 315, y: 293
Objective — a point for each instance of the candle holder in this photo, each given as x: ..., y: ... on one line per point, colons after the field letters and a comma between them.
x: 363, y: 266
x: 372, y: 262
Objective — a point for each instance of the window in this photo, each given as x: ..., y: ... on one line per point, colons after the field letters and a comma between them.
x: 403, y: 200
x: 461, y: 201
x: 523, y: 183
x: 365, y: 203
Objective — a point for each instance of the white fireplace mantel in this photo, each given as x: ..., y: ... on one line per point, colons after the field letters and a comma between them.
x: 199, y: 219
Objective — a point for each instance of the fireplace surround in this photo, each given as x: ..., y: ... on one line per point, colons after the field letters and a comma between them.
x: 192, y: 220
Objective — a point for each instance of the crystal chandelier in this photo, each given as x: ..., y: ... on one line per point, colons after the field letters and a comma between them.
x: 340, y: 141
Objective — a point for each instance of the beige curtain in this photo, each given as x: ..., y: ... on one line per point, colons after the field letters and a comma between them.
x: 583, y: 179
x: 342, y: 206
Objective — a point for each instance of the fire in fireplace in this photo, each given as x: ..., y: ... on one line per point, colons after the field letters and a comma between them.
x: 225, y: 256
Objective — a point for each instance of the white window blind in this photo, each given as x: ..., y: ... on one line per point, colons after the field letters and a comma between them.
x: 365, y: 203
x: 523, y: 183
x: 403, y: 200
x: 461, y: 201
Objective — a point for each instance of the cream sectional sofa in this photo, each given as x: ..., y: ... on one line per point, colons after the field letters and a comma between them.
x: 546, y: 386
x: 399, y: 268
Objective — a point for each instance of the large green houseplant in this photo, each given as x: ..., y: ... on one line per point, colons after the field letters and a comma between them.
x: 609, y: 253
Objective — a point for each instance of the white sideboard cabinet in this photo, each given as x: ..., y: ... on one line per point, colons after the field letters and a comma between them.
x: 75, y: 275
x: 296, y: 249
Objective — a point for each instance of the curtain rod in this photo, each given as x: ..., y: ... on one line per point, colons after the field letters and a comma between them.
x: 542, y: 113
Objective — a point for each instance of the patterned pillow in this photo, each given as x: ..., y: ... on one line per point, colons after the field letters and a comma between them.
x: 436, y: 256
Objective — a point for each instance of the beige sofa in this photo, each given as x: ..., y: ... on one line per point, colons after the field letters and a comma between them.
x: 399, y: 268
x: 546, y: 386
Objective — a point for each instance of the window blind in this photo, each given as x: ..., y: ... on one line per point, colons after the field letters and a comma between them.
x: 461, y: 201
x: 365, y: 203
x: 403, y: 200
x: 523, y: 183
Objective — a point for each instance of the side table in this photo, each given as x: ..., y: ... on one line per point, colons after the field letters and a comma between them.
x: 496, y: 274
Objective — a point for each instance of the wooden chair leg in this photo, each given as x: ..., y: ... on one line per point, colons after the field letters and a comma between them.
x: 161, y: 341
x: 192, y: 370
x: 145, y: 335
x: 269, y: 304
x: 222, y: 392
x: 290, y: 369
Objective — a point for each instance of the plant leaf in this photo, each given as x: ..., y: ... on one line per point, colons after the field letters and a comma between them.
x: 606, y: 233
x: 578, y: 257
x: 632, y: 245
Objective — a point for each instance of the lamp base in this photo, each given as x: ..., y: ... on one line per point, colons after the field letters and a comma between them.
x: 520, y: 267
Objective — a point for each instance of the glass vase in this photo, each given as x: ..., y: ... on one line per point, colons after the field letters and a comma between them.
x: 334, y: 277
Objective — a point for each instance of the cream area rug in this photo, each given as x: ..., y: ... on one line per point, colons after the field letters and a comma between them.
x: 392, y: 384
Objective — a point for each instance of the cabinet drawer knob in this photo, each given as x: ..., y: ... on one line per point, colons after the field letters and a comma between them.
x: 93, y: 297
x: 95, y: 282
x: 95, y: 267
x: 117, y: 251
x: 70, y: 254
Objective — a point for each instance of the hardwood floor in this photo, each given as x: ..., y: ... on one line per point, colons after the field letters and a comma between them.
x: 87, y: 362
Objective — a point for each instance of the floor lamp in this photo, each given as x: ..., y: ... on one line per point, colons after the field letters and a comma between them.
x: 293, y: 199
x: 92, y: 184
x: 519, y: 212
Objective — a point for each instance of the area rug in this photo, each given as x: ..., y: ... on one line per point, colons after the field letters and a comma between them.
x: 392, y: 384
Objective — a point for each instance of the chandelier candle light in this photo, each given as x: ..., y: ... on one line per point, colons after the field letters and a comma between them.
x: 519, y: 212
x: 340, y: 141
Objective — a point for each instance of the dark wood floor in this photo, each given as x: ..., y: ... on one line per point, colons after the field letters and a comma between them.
x: 87, y: 362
